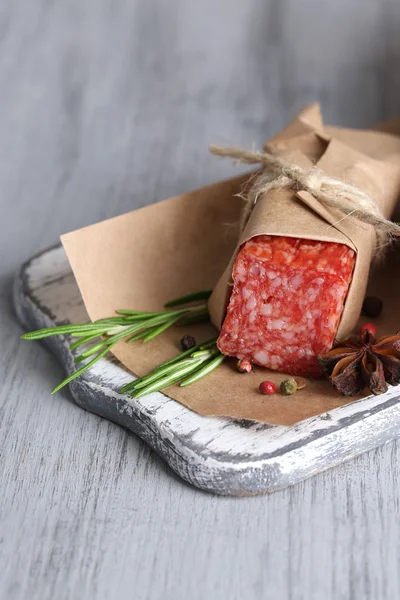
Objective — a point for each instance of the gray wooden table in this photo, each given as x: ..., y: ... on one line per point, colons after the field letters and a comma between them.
x: 107, y: 105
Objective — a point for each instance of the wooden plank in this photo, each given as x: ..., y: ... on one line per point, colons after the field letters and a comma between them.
x: 221, y: 455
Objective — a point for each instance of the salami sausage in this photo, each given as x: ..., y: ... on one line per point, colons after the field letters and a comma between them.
x: 287, y: 300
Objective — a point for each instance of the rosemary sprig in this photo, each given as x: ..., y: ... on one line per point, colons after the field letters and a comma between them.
x: 205, y: 370
x: 185, y: 369
x: 161, y: 369
x: 129, y: 325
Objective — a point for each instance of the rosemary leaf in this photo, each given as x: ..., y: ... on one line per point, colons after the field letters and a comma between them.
x: 115, y: 336
x: 208, y: 343
x: 128, y: 386
x: 203, y: 354
x: 111, y: 331
x: 189, y: 352
x: 82, y: 341
x: 100, y: 336
x: 137, y: 313
x: 81, y: 330
x: 160, y: 319
x: 92, y: 350
x: 174, y: 361
x: 194, y: 320
x: 156, y: 375
x: 127, y: 331
x: 80, y: 371
x: 138, y: 336
x: 203, y: 371
x: 153, y: 333
x: 170, y: 365
x: 112, y: 321
x: 194, y: 297
x: 166, y: 381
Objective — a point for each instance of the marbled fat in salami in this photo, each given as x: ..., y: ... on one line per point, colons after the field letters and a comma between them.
x: 287, y: 300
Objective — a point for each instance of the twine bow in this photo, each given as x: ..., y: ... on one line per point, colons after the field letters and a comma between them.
x: 329, y: 191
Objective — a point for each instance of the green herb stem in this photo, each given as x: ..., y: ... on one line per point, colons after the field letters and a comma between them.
x: 137, y: 313
x: 138, y: 336
x: 160, y: 329
x: 167, y: 380
x: 186, y: 368
x: 194, y: 297
x: 189, y: 352
x: 161, y: 373
x: 75, y: 330
x: 100, y: 336
x: 194, y: 320
x: 84, y: 340
x: 210, y: 366
x: 80, y: 371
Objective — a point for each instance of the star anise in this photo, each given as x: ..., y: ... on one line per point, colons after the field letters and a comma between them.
x: 365, y: 362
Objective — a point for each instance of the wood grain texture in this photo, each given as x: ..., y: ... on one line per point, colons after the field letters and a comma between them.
x: 108, y: 105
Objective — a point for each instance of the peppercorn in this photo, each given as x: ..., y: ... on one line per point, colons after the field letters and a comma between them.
x: 288, y: 386
x: 244, y: 366
x: 300, y: 384
x: 372, y: 307
x: 267, y: 388
x: 368, y: 327
x: 187, y: 342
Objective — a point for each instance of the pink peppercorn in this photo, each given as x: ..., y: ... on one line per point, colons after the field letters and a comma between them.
x: 267, y: 387
x: 244, y: 366
x: 368, y: 327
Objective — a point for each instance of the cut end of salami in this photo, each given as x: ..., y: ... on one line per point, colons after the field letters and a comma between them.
x: 287, y: 299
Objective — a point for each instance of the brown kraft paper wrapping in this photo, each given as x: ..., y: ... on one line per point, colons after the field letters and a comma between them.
x: 375, y: 170
x: 145, y: 257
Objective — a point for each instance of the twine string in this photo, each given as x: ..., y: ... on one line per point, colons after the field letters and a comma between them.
x: 329, y: 191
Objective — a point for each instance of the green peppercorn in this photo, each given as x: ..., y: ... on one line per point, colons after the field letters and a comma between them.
x: 288, y: 386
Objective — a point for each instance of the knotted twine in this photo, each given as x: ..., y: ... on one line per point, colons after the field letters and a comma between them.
x: 350, y: 200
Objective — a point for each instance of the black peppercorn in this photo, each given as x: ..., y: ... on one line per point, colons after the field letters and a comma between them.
x: 372, y: 307
x: 187, y: 342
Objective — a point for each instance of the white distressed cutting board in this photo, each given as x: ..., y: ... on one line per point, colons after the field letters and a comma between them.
x: 221, y: 455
